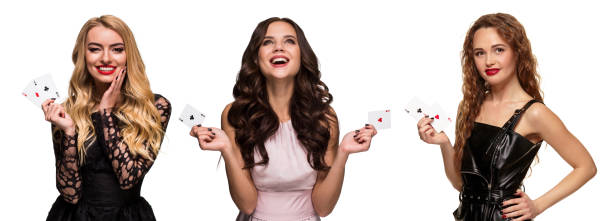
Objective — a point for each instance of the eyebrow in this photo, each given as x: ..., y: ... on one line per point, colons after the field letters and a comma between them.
x: 100, y: 45
x: 494, y: 46
x: 286, y: 36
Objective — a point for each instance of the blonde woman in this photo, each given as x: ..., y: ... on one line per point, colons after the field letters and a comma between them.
x: 107, y: 134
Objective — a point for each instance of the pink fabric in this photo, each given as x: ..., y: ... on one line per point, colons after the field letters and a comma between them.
x: 284, y: 186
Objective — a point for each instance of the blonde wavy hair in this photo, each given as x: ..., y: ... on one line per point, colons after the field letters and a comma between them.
x: 141, y: 129
x: 474, y: 87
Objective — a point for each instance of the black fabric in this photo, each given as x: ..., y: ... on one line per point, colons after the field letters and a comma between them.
x: 107, y: 186
x: 494, y: 163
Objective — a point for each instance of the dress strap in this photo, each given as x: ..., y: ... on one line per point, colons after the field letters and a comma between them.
x: 511, y: 123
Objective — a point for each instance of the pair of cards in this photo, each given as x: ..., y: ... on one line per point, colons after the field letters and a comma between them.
x: 41, y: 89
x: 418, y: 109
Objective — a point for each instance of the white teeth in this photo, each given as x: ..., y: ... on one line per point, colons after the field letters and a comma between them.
x: 106, y: 68
x: 279, y: 60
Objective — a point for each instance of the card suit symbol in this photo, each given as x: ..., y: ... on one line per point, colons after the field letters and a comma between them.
x: 380, y: 119
x: 24, y: 94
x: 46, y: 88
x: 437, y: 117
x: 449, y: 119
x: 202, y: 115
x: 419, y: 110
x: 191, y: 117
x: 181, y: 119
x: 37, y: 94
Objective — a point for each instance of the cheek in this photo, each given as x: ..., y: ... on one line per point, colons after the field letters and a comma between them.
x: 120, y: 59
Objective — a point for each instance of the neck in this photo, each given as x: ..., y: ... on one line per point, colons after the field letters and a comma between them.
x: 279, y: 96
x: 508, y: 91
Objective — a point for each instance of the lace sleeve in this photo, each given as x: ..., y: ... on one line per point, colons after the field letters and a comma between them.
x: 67, y: 177
x: 130, y: 170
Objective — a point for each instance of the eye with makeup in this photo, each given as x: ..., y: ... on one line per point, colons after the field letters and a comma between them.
x: 290, y: 41
x: 478, y: 53
x: 499, y: 50
x: 267, y: 42
x: 94, y: 49
x: 118, y: 49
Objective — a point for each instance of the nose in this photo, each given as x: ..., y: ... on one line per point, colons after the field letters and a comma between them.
x: 490, y: 59
x: 279, y: 47
x: 106, y: 57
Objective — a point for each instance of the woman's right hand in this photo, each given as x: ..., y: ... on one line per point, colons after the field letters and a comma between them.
x: 211, y: 138
x: 428, y: 134
x: 56, y: 114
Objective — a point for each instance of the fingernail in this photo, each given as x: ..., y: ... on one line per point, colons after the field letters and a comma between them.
x: 117, y: 78
x: 356, y: 131
x: 199, y: 125
x: 52, y: 98
x: 209, y: 129
x: 355, y: 135
x: 504, y: 216
x: 367, y: 125
x: 214, y: 133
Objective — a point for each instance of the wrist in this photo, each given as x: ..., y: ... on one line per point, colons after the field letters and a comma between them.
x: 539, y: 206
x: 341, y: 156
x: 71, y: 131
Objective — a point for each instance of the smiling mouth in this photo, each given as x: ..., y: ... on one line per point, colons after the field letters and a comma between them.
x: 491, y: 71
x: 106, y: 69
x: 279, y: 61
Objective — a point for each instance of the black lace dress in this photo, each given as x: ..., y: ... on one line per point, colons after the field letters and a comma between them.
x: 107, y: 186
x: 494, y: 163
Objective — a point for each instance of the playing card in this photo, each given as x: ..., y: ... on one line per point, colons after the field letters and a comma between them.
x: 441, y: 119
x: 416, y: 108
x: 380, y: 119
x: 46, y: 87
x: 41, y: 89
x: 191, y: 116
x: 31, y: 94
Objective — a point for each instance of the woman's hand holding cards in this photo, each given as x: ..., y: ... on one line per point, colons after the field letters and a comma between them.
x: 358, y: 140
x: 56, y: 114
x: 428, y: 134
x: 211, y: 138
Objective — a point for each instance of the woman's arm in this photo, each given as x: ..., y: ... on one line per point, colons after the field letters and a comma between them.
x: 130, y: 170
x: 328, y: 186
x: 63, y: 131
x: 67, y: 176
x: 241, y: 186
x: 449, y: 156
x: 552, y: 130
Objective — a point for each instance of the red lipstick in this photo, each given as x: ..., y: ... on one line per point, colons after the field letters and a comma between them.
x: 491, y: 71
x: 106, y: 69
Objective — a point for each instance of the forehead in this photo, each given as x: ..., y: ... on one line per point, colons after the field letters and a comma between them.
x: 101, y: 34
x: 280, y: 29
x: 487, y: 37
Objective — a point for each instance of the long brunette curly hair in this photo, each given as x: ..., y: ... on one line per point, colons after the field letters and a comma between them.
x: 474, y: 88
x: 253, y: 118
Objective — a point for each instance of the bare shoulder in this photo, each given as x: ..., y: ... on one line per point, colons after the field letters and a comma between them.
x: 541, y: 118
x: 224, y: 117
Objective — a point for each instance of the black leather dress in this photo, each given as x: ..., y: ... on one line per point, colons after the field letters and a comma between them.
x: 494, y: 163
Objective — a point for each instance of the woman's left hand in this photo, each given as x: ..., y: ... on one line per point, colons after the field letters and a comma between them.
x: 358, y: 140
x: 112, y: 95
x: 523, y: 208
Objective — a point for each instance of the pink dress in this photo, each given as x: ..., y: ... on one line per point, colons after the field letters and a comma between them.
x: 284, y: 186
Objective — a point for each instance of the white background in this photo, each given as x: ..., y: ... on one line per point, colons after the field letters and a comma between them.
x: 373, y: 55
